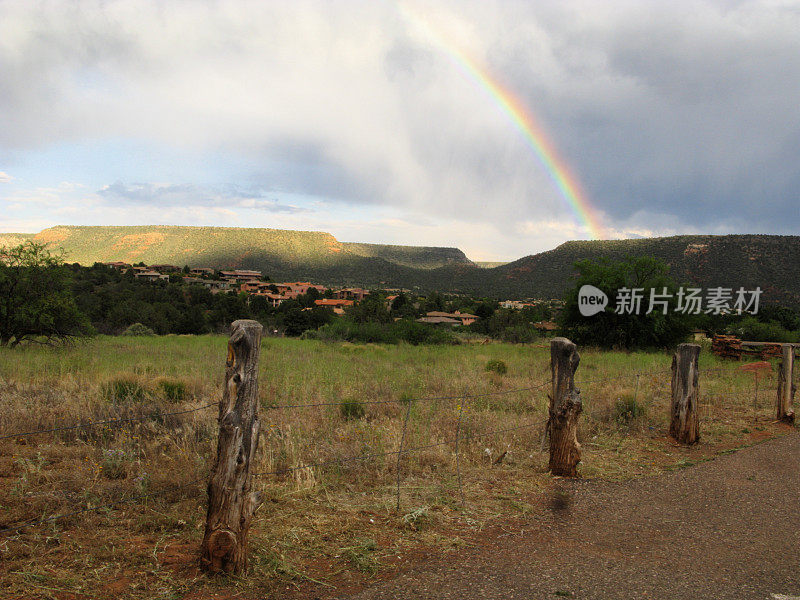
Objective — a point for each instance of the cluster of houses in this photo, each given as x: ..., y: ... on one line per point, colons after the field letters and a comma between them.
x: 251, y: 282
x: 245, y: 280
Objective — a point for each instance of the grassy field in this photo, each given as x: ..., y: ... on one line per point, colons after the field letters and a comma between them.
x: 332, y: 525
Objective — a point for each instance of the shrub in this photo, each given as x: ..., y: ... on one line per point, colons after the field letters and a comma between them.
x: 405, y: 330
x: 406, y: 398
x: 114, y: 463
x: 627, y: 410
x: 173, y: 390
x: 137, y: 329
x: 497, y: 366
x: 123, y: 388
x: 351, y: 408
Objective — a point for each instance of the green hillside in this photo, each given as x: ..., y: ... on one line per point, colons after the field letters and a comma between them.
x: 769, y: 261
x: 14, y: 239
x: 418, y: 257
x: 281, y: 254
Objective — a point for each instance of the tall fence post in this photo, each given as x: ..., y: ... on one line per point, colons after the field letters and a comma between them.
x: 685, y: 421
x: 565, y: 406
x: 786, y: 387
x: 231, y: 504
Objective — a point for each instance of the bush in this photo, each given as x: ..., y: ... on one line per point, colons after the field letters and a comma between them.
x: 627, y: 410
x: 351, y: 409
x: 497, y: 366
x: 124, y: 388
x: 755, y: 331
x: 173, y: 390
x: 114, y: 464
x: 404, y: 330
x: 137, y: 329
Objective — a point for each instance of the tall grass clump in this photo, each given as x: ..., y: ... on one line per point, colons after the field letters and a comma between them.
x: 351, y: 409
x: 138, y: 329
x: 124, y: 388
x: 173, y: 390
x: 496, y: 365
x: 627, y: 410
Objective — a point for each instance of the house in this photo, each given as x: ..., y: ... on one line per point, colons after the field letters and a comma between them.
x: 439, y: 320
x: 356, y: 294
x: 466, y: 318
x: 165, y: 268
x: 240, y: 275
x: 201, y: 271
x: 298, y: 288
x: 516, y: 304
x: 274, y: 299
x: 546, y: 326
x: 333, y: 303
x: 150, y: 276
x: 458, y: 316
x: 118, y: 265
x: 214, y: 285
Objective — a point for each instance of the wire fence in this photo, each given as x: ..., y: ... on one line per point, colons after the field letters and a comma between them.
x: 400, y: 452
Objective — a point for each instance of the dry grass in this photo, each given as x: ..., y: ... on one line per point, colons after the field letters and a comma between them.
x: 334, y: 523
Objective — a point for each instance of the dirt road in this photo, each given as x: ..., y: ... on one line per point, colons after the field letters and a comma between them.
x: 728, y: 528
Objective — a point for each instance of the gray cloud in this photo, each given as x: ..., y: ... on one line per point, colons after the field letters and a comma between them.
x: 154, y: 194
x: 679, y: 113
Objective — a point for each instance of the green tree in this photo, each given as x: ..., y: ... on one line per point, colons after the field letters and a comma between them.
x: 630, y: 331
x: 36, y: 301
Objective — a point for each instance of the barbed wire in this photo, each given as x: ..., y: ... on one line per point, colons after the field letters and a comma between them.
x: 409, y: 400
x: 153, y: 416
x: 149, y: 417
x: 36, y: 522
x: 358, y: 457
x: 87, y: 509
x: 400, y: 452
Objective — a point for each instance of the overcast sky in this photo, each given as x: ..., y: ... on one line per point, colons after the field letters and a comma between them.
x: 351, y: 118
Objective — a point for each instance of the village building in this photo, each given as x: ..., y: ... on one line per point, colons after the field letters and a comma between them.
x: 333, y: 302
x: 439, y: 320
x: 456, y: 318
x: 356, y: 294
x: 240, y: 275
x: 118, y: 265
x: 151, y: 276
x: 165, y: 268
x: 517, y: 304
x: 546, y: 326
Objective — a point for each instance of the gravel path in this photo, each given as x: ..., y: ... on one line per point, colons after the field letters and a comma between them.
x: 727, y: 528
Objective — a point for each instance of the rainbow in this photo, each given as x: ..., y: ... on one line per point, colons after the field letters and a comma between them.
x: 523, y: 120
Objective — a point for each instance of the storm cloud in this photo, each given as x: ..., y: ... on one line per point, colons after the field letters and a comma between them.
x: 674, y: 117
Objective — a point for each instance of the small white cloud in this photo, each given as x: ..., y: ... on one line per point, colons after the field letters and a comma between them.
x: 5, y: 177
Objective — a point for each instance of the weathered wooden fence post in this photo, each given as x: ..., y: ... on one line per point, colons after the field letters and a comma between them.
x: 565, y: 406
x: 231, y: 504
x: 685, y: 421
x: 786, y: 387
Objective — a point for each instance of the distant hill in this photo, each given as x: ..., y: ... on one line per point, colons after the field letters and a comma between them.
x: 417, y: 257
x: 769, y: 261
x: 14, y: 239
x: 281, y: 254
